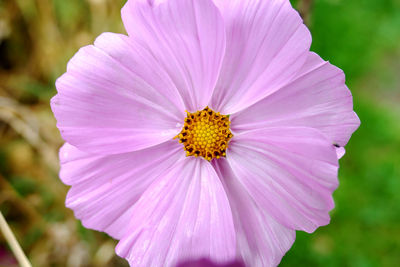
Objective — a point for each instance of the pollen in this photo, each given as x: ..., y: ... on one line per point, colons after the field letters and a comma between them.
x: 206, y: 134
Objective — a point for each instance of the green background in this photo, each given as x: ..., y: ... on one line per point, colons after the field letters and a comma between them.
x: 38, y: 37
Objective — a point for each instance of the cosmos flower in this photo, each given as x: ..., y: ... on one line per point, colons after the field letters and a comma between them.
x: 209, y: 131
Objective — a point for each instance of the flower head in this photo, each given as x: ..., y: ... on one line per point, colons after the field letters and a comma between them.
x: 210, y: 131
x: 205, y: 134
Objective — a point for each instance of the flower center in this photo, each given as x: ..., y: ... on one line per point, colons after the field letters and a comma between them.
x: 205, y: 133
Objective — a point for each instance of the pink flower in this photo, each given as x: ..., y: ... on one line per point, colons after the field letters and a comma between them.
x: 175, y: 188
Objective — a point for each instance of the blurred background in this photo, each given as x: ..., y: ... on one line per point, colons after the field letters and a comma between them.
x: 38, y: 37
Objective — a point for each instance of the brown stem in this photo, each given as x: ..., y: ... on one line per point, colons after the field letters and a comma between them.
x: 305, y: 7
x: 13, y: 243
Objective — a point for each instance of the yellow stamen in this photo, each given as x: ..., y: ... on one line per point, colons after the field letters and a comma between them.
x: 205, y: 133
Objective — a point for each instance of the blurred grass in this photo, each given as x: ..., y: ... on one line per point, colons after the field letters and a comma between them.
x: 38, y: 37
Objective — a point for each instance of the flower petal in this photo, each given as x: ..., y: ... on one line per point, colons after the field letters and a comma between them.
x: 111, y: 101
x: 317, y: 98
x: 261, y: 240
x: 141, y: 63
x: 267, y: 43
x: 340, y: 151
x: 185, y: 215
x: 188, y: 39
x: 105, y: 188
x: 289, y: 172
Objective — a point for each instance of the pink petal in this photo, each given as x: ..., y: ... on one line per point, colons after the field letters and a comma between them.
x: 340, y: 151
x: 115, y: 98
x: 105, y: 188
x: 261, y: 240
x: 183, y: 216
x: 317, y: 98
x: 267, y: 43
x: 188, y: 39
x: 142, y: 63
x: 289, y: 172
x: 207, y: 263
